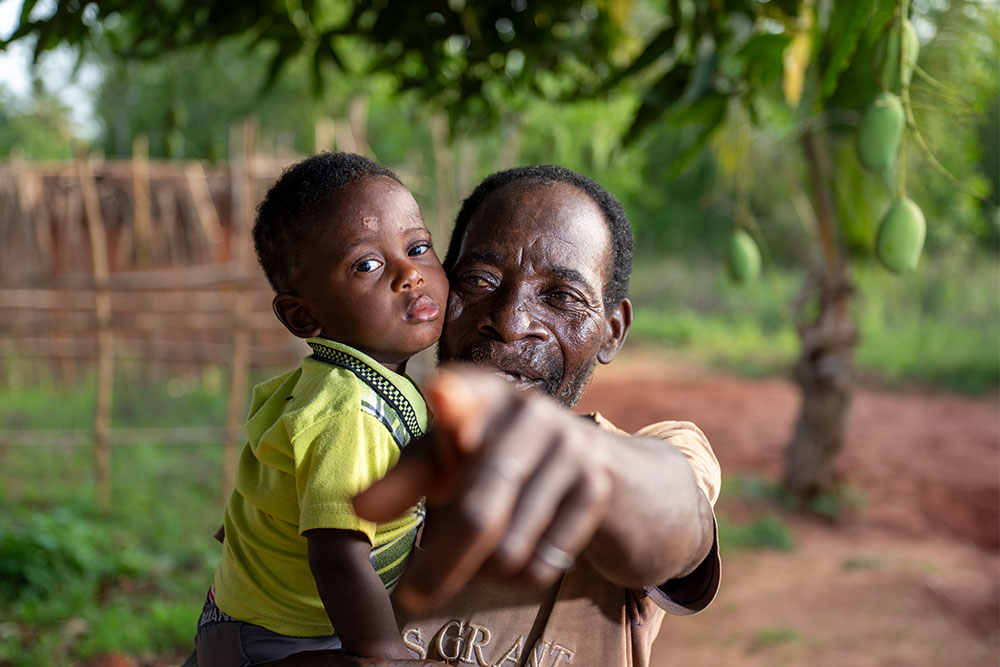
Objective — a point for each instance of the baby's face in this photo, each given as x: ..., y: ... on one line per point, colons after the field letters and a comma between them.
x: 371, y: 278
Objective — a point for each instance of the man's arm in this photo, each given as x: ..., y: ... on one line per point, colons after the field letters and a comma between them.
x: 659, y: 524
x: 353, y: 594
x: 520, y: 484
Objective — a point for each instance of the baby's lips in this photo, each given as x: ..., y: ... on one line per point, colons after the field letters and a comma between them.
x: 422, y: 309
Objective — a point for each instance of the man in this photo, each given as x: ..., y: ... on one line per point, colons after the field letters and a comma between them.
x: 553, y: 539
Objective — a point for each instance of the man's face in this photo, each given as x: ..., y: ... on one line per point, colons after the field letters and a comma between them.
x: 527, y: 290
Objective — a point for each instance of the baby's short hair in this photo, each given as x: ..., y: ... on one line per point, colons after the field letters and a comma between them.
x: 295, y: 206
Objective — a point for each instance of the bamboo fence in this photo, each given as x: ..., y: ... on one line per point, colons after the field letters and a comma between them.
x: 148, y: 264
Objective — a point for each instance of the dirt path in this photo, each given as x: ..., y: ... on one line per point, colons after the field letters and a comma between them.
x: 912, y: 580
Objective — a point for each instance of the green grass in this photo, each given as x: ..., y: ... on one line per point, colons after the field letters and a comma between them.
x: 134, y: 577
x: 76, y: 582
x: 938, y: 326
x: 770, y: 637
x: 767, y: 532
x: 45, y: 403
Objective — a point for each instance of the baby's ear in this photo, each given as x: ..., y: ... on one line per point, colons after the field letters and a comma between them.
x: 295, y: 315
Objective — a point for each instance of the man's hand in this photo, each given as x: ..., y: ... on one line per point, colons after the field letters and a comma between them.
x: 519, y: 486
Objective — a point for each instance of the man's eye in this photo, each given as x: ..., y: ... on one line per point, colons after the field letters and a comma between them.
x: 563, y: 297
x: 367, y: 265
x: 475, y: 282
x: 419, y: 249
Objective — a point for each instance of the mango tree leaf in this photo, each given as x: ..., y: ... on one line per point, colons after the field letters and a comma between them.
x: 286, y: 50
x: 696, y: 112
x: 711, y: 110
x: 763, y: 58
x: 658, y: 98
x: 705, y: 66
x: 325, y: 51
x: 657, y: 47
x: 847, y: 22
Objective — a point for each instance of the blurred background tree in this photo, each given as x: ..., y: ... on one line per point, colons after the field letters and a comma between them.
x: 703, y: 117
x: 38, y: 126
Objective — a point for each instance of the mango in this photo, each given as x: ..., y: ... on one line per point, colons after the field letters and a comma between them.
x: 911, y: 46
x: 880, y: 131
x: 743, y: 260
x: 901, y: 236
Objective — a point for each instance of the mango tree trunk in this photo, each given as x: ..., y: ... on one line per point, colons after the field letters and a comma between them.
x: 828, y: 337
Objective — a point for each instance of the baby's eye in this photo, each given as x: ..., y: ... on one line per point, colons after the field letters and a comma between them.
x: 367, y: 265
x: 419, y: 249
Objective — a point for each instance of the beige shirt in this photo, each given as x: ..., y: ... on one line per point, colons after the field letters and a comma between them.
x: 583, y: 620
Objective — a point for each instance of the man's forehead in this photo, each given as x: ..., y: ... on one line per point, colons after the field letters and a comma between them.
x: 556, y: 222
x: 539, y: 208
x: 546, y: 201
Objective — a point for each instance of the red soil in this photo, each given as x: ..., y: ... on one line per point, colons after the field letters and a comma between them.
x: 910, y: 578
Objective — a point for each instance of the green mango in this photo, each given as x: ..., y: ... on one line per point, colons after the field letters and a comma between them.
x: 880, y: 131
x: 912, y: 50
x: 912, y: 47
x: 743, y: 260
x: 901, y: 236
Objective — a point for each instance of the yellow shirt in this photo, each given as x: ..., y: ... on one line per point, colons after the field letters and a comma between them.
x: 316, y: 436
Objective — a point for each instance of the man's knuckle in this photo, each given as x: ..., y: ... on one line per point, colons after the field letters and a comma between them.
x: 596, y: 490
x: 473, y: 518
x: 539, y: 574
x: 510, y: 556
x: 567, y: 450
x: 523, y: 409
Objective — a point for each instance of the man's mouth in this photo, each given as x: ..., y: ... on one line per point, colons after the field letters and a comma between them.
x: 515, y: 377
x: 523, y: 366
x: 422, y: 309
x: 518, y: 378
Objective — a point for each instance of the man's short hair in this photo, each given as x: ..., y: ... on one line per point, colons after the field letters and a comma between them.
x: 622, y: 241
x: 297, y: 204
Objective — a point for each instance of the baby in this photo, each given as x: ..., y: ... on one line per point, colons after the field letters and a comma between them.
x: 342, y: 243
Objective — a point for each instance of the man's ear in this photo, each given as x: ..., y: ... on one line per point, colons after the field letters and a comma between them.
x: 617, y: 324
x: 295, y: 315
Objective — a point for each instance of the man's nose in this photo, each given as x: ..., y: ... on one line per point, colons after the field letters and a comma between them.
x: 407, y: 276
x: 510, y: 316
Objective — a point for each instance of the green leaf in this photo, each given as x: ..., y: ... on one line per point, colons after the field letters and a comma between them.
x: 658, y: 98
x: 698, y: 111
x: 656, y: 48
x: 278, y: 62
x: 847, y: 22
x: 46, y: 40
x: 714, y: 108
x: 324, y: 52
x: 762, y: 56
x: 706, y: 63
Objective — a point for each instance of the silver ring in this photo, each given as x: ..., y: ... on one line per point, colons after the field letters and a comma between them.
x: 506, y: 466
x: 553, y: 556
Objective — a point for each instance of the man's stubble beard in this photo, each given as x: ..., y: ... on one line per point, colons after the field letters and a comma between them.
x: 553, y: 372
x: 571, y: 394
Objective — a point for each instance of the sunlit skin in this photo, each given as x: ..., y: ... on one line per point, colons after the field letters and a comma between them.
x: 371, y: 278
x: 527, y: 291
